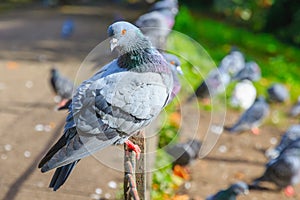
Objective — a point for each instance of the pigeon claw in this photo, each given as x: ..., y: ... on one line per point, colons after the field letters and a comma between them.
x: 255, y: 131
x: 62, y: 103
x: 133, y: 147
x: 289, y: 191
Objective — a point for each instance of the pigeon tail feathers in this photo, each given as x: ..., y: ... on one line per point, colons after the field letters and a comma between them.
x: 61, y: 174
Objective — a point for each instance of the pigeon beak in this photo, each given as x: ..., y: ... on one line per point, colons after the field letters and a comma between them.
x: 179, y: 70
x: 113, y: 43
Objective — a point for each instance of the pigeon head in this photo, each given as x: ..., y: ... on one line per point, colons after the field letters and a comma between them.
x: 174, y: 61
x: 277, y: 93
x: 125, y: 37
x: 240, y: 188
x: 54, y: 72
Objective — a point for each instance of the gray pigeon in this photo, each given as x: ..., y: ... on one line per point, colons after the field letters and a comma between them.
x: 295, y: 110
x: 278, y: 93
x: 251, y: 71
x: 61, y: 86
x: 283, y: 171
x: 252, y: 117
x: 166, y: 5
x: 158, y: 23
x: 119, y: 100
x: 292, y: 134
x: 231, y: 193
x: 184, y: 153
x: 215, y: 83
x: 174, y: 63
x: 218, y: 79
x: 156, y: 27
x: 233, y: 62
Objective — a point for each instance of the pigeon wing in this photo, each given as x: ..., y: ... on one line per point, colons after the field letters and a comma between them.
x: 107, y: 111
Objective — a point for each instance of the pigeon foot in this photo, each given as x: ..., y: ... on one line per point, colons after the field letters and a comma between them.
x: 289, y: 191
x: 134, y: 148
x: 255, y: 131
x: 62, y: 103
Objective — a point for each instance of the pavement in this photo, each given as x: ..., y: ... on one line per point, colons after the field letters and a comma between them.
x: 30, y: 46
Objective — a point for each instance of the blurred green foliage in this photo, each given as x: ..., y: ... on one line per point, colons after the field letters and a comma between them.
x: 279, y: 62
x: 164, y: 183
x: 249, y: 13
x: 280, y: 17
x: 283, y: 19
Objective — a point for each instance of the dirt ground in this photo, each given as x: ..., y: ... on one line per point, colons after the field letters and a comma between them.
x: 30, y: 46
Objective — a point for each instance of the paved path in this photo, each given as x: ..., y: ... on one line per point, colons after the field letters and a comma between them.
x: 30, y: 47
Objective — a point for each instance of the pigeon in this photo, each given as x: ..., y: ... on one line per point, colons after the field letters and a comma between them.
x: 218, y: 79
x: 295, y: 110
x: 243, y: 95
x: 278, y: 93
x: 61, y: 86
x: 169, y: 8
x: 251, y: 71
x: 166, y: 5
x: 174, y: 64
x: 292, y: 134
x: 156, y: 27
x: 123, y: 97
x: 67, y: 28
x: 158, y: 23
x: 233, y: 62
x: 184, y: 153
x: 283, y: 171
x: 231, y: 193
x: 251, y: 118
x: 215, y: 83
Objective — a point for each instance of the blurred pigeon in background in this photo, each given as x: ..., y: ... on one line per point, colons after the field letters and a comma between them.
x: 231, y: 193
x: 67, y: 28
x: 162, y: 5
x: 218, y: 79
x: 158, y: 23
x: 215, y: 83
x: 174, y: 63
x: 169, y: 8
x: 61, y: 86
x: 233, y: 62
x: 155, y: 26
x: 292, y: 134
x: 295, y: 110
x: 252, y: 118
x: 251, y: 71
x: 184, y: 153
x: 283, y: 171
x: 243, y: 95
x: 277, y: 93
x: 123, y: 97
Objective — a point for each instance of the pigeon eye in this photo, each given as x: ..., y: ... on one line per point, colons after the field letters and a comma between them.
x: 123, y: 32
x: 172, y: 62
